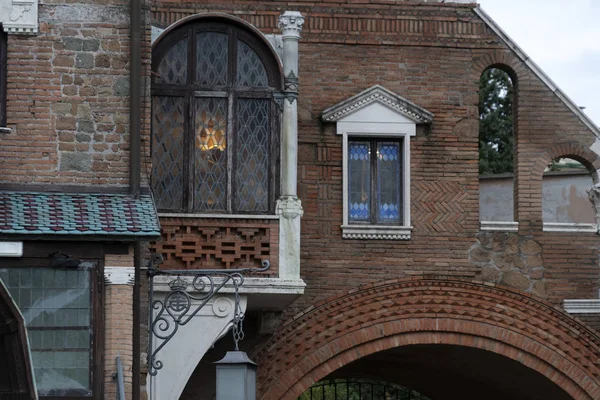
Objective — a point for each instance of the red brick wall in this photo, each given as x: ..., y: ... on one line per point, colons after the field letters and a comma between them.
x: 68, y: 97
x: 432, y: 54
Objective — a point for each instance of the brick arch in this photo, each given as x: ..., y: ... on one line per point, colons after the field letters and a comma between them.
x: 571, y: 149
x: 504, y: 60
x: 425, y: 310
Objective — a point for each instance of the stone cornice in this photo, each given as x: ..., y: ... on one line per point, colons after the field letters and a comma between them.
x: 381, y: 95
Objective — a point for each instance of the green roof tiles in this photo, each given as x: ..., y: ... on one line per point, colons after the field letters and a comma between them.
x: 39, y: 213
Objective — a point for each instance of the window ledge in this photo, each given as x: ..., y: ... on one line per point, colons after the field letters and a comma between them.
x: 582, y: 306
x: 570, y: 227
x: 499, y: 226
x: 5, y: 130
x: 376, y: 232
x: 217, y: 216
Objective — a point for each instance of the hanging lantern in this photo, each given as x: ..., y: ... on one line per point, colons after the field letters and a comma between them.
x: 236, y: 377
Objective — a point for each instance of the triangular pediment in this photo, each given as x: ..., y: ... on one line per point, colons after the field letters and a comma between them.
x: 376, y: 97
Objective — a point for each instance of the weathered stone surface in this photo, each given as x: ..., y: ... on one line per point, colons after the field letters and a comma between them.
x: 84, y: 60
x: 83, y: 137
x: 539, y: 289
x: 530, y: 246
x: 121, y: 87
x: 85, y: 126
x: 478, y: 254
x: 75, y: 162
x: 534, y: 261
x: 489, y: 273
x: 516, y: 280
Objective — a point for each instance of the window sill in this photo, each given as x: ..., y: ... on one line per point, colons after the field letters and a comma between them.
x: 5, y: 130
x: 376, y: 232
x: 591, y: 306
x: 499, y: 226
x: 570, y: 227
x: 503, y: 226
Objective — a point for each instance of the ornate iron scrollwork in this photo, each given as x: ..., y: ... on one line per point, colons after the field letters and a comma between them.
x: 177, y: 309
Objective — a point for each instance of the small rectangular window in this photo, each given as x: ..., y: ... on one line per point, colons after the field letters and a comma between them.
x: 56, y: 304
x: 374, y: 182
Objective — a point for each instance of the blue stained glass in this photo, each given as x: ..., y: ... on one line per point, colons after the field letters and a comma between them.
x: 388, y: 182
x: 359, y: 181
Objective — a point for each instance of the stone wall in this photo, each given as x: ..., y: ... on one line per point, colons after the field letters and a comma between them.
x: 68, y: 97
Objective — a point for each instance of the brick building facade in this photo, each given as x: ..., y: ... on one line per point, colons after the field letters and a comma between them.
x: 423, y: 288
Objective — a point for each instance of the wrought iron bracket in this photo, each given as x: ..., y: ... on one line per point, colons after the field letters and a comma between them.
x: 176, y: 310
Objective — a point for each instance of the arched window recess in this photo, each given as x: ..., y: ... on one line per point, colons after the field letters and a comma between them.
x: 215, y: 122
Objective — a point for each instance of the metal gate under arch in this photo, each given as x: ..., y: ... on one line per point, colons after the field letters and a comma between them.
x: 359, y: 389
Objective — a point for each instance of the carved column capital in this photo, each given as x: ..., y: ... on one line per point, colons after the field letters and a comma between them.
x: 594, y: 196
x: 290, y: 207
x: 118, y: 275
x: 290, y: 24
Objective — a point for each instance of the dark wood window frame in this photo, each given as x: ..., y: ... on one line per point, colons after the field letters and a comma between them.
x: 97, y: 321
x: 3, y: 76
x: 374, y: 215
x: 233, y: 93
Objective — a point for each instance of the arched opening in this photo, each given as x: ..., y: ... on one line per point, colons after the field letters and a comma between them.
x: 491, y: 339
x: 458, y: 372
x: 496, y: 145
x: 359, y: 389
x: 565, y: 201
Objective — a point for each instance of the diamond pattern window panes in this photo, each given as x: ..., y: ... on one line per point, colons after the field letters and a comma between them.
x: 167, y: 149
x: 211, y: 59
x: 250, y: 69
x: 252, y: 152
x: 359, y: 181
x: 211, y: 154
x: 56, y: 306
x: 173, y: 67
x: 388, y: 182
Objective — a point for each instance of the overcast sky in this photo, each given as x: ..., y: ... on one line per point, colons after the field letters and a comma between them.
x: 562, y: 37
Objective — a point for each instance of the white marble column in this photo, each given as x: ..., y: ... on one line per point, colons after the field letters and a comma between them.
x: 289, y: 206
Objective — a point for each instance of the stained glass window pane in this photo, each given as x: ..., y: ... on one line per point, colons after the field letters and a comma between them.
x: 252, y: 156
x: 388, y: 182
x: 250, y: 69
x: 211, y: 59
x: 173, y: 67
x: 359, y: 181
x: 167, y: 151
x: 58, y: 320
x: 210, y: 192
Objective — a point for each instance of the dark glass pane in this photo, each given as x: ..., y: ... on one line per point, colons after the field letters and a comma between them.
x: 58, y: 318
x: 252, y: 156
x: 250, y: 69
x: 211, y: 154
x: 211, y: 58
x: 359, y: 181
x: 173, y: 66
x: 167, y: 152
x: 388, y: 182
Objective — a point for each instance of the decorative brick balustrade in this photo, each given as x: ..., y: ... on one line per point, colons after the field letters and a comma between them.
x: 199, y: 243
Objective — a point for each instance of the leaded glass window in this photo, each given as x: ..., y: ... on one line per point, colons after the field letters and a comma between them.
x: 57, y: 308
x: 374, y: 181
x: 214, y: 127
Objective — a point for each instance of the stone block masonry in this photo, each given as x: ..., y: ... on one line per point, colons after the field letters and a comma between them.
x: 68, y: 98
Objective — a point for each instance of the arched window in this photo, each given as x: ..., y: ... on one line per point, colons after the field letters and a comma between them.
x: 496, y: 147
x: 214, y: 121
